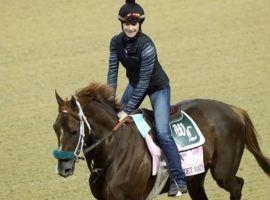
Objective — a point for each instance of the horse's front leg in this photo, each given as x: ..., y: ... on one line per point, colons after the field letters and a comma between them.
x: 103, y: 190
x: 112, y: 193
x: 117, y: 190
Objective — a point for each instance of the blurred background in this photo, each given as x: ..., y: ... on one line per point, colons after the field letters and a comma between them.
x: 210, y: 49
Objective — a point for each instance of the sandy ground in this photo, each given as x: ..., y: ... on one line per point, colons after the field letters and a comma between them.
x: 210, y: 49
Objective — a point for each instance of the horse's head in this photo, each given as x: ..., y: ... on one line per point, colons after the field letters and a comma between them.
x: 72, y: 126
x: 67, y: 129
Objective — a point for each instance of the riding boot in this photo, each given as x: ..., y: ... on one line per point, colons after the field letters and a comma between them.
x: 172, y: 155
x: 175, y: 190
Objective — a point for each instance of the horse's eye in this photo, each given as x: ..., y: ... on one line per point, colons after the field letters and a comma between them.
x: 73, y: 132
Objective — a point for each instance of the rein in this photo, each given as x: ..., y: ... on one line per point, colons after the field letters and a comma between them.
x: 58, y: 154
x: 99, y: 142
x: 99, y: 172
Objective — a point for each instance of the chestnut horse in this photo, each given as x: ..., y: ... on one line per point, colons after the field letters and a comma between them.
x: 119, y: 160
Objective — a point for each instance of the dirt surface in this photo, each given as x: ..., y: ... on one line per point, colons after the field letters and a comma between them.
x: 210, y: 49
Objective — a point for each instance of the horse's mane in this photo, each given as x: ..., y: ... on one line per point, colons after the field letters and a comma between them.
x: 98, y: 92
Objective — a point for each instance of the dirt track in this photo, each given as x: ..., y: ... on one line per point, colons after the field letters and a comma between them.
x: 210, y: 49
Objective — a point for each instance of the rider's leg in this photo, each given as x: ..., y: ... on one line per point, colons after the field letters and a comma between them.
x: 160, y: 101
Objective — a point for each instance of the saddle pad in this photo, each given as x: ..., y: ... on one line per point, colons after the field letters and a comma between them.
x: 192, y: 161
x: 185, y: 132
x: 141, y: 124
x: 192, y: 164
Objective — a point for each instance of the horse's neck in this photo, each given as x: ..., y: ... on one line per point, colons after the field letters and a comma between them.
x: 102, y: 119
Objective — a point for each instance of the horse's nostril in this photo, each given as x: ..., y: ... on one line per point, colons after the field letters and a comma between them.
x: 67, y: 171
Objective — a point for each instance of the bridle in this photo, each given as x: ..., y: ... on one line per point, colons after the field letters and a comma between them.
x: 97, y: 172
x: 81, y: 143
x: 83, y: 121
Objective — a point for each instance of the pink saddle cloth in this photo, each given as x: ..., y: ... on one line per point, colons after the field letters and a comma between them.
x: 155, y: 153
x: 192, y: 160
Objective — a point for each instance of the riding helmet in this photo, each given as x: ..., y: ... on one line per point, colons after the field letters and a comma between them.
x: 131, y: 12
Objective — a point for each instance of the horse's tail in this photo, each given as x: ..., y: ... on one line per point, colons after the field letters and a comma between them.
x: 252, y: 142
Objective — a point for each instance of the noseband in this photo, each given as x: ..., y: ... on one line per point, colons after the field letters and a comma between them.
x: 66, y: 155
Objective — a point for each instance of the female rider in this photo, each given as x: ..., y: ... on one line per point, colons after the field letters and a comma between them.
x: 137, y: 54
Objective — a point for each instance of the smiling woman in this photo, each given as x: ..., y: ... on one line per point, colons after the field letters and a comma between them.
x: 131, y: 29
x: 216, y: 48
x: 146, y: 77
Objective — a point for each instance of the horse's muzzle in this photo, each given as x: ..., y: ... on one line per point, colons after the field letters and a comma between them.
x: 65, y: 168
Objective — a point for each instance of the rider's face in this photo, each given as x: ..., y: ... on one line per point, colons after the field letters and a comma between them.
x: 131, y: 28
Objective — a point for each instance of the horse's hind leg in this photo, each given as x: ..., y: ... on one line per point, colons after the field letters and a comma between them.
x: 235, y: 186
x: 196, y: 187
x: 225, y: 169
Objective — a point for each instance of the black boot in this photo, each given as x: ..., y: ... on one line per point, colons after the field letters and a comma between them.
x: 176, y: 190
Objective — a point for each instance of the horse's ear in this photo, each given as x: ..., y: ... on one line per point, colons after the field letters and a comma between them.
x: 60, y: 101
x: 73, y: 101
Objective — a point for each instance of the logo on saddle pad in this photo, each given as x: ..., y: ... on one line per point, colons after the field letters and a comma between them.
x: 185, y: 132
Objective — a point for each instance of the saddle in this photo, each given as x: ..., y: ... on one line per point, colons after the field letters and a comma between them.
x: 175, y: 110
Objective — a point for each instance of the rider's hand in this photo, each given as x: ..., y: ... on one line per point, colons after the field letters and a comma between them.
x: 123, y: 118
x: 122, y: 115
